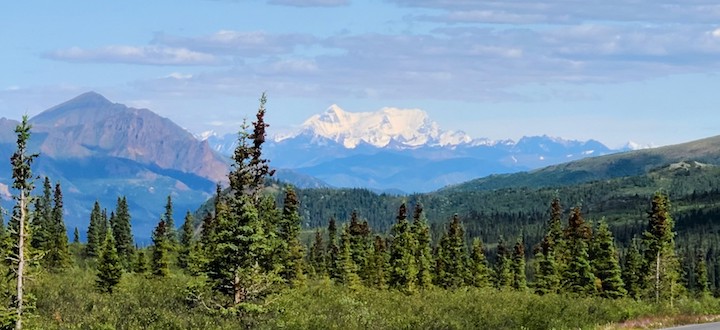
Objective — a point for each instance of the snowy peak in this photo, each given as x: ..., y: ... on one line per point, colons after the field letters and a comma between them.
x: 401, y: 128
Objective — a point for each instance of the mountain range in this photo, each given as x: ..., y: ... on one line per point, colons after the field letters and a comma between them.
x: 99, y: 150
x: 403, y: 150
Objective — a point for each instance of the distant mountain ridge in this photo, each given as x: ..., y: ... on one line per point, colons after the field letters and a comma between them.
x: 404, y: 150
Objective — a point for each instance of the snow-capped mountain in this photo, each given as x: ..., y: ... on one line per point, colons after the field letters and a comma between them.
x: 389, y: 127
x: 404, y: 149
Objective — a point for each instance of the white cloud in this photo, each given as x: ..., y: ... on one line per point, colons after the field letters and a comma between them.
x: 716, y: 33
x: 146, y: 55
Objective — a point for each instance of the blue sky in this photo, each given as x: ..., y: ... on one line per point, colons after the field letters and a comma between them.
x: 642, y: 70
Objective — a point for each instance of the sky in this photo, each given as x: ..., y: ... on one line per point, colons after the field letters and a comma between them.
x: 646, y: 71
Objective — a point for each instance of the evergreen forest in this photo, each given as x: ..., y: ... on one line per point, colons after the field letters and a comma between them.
x: 261, y: 254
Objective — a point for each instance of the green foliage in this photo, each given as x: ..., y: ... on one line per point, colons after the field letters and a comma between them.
x: 122, y: 232
x: 403, y: 273
x: 170, y: 231
x: 702, y: 289
x: 57, y: 255
x: 291, y: 250
x: 109, y: 266
x: 503, y: 264
x: 186, y: 241
x: 547, y: 274
x: 317, y: 257
x: 333, y: 251
x: 378, y: 265
x: 480, y: 276
x: 348, y: 270
x: 519, y: 281
x: 632, y: 271
x: 661, y: 263
x: 605, y: 264
x: 451, y: 261
x: 423, y: 254
x: 160, y: 263
x: 141, y: 264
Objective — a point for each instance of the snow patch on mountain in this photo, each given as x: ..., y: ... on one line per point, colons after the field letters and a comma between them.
x: 402, y: 128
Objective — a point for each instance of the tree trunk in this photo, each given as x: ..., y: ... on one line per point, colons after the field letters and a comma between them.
x: 657, y: 278
x: 21, y: 261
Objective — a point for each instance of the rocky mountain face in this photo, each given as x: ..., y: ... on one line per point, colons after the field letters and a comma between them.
x: 397, y: 150
x: 99, y: 150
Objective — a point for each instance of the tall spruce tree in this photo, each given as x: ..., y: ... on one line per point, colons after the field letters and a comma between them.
x: 378, y: 264
x: 21, y: 162
x: 503, y: 266
x: 292, y: 251
x: 109, y: 266
x: 160, y: 264
x: 186, y: 241
x: 316, y: 257
x: 403, y: 267
x: 423, y: 254
x: 57, y: 255
x: 333, y: 251
x: 452, y: 256
x: 605, y: 264
x: 702, y: 287
x: 519, y: 281
x: 578, y: 277
x: 122, y: 232
x: 632, y: 271
x: 239, y: 245
x: 480, y: 276
x: 360, y: 244
x: 547, y: 274
x: 346, y: 264
x: 41, y: 225
x: 661, y: 263
x: 170, y: 230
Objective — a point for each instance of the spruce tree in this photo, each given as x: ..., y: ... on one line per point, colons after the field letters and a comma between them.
x: 378, y: 264
x: 423, y: 254
x: 333, y: 251
x: 661, y: 263
x: 360, y: 244
x: 57, y: 255
x: 702, y: 287
x: 479, y: 271
x: 578, y: 277
x: 605, y: 264
x: 503, y: 267
x: 102, y: 227
x: 403, y: 267
x: 317, y: 256
x: 22, y: 176
x: 122, y: 232
x: 41, y: 225
x: 547, y: 276
x: 242, y: 244
x: 346, y: 265
x: 452, y: 256
x: 109, y: 267
x: 632, y: 271
x: 159, y: 262
x: 519, y: 281
x: 140, y: 265
x: 292, y: 251
x: 186, y: 241
x: 170, y: 230
x: 76, y: 236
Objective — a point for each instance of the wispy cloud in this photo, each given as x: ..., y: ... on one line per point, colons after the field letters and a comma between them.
x: 238, y: 43
x: 567, y: 12
x: 310, y: 3
x: 145, y: 55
